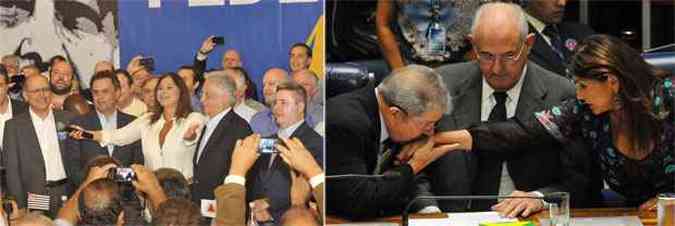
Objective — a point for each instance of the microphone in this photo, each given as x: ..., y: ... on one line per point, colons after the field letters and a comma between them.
x: 553, y: 198
x: 387, y: 176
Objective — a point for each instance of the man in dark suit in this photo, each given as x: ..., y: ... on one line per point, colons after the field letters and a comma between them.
x: 270, y: 177
x: 363, y: 125
x: 105, y: 89
x: 34, y: 144
x: 8, y: 107
x: 554, y: 40
x: 218, y: 137
x: 502, y: 84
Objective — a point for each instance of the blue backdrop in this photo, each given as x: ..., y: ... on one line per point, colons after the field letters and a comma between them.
x: 262, y: 32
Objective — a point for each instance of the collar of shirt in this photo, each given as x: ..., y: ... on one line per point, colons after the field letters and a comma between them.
x: 384, y: 134
x: 287, y: 132
x: 37, y: 119
x: 513, y: 95
x: 213, y: 121
x: 107, y: 120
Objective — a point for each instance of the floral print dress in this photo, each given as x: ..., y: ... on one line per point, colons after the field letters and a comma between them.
x: 637, y: 180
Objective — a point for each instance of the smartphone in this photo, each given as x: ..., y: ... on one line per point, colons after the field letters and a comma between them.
x: 18, y: 79
x: 148, y: 63
x: 218, y: 40
x: 87, y: 135
x: 266, y: 146
x: 122, y: 174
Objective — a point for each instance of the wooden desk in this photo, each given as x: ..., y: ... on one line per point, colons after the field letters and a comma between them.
x: 648, y: 218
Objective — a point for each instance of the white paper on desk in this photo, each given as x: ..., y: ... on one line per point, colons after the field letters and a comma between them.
x: 463, y: 219
x: 600, y: 221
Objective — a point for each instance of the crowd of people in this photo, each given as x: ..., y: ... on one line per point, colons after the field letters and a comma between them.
x: 526, y: 105
x: 180, y: 140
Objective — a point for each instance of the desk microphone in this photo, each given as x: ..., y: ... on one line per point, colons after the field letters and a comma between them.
x: 553, y: 198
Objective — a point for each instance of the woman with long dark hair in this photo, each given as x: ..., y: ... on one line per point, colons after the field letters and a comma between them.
x: 168, y: 132
x: 623, y: 112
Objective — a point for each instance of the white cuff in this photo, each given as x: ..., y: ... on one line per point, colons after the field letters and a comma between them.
x: 62, y: 222
x: 105, y: 138
x: 540, y: 195
x: 200, y: 56
x: 235, y: 179
x: 316, y: 180
x: 430, y: 209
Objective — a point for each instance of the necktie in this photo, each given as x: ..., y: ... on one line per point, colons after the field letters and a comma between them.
x: 498, y: 113
x: 556, y: 42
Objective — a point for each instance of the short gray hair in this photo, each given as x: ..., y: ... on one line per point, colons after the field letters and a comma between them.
x: 510, y: 7
x: 225, y: 83
x: 416, y: 89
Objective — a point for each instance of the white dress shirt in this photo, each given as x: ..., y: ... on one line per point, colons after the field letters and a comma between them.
x: 45, y: 129
x: 108, y: 124
x: 4, y: 117
x: 208, y: 130
x: 136, y: 108
x: 245, y: 112
x: 176, y: 152
x: 488, y: 102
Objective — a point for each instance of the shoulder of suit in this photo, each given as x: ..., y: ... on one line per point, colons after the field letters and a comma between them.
x: 576, y: 29
x: 456, y: 76
x: 549, y: 78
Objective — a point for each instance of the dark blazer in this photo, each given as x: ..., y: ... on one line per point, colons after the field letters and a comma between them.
x: 543, y: 55
x: 353, y: 143
x: 22, y: 156
x: 274, y: 182
x: 80, y: 152
x: 532, y: 168
x: 19, y: 107
x: 214, y: 162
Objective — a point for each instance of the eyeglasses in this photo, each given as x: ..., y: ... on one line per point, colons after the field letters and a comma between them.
x: 489, y: 58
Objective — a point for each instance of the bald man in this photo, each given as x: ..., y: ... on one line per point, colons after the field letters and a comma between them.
x: 263, y: 121
x: 33, y: 145
x: 498, y: 85
x: 310, y: 81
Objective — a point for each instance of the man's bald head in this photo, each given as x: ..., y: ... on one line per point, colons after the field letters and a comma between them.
x: 231, y: 59
x: 499, y: 18
x: 308, y: 80
x: 271, y: 79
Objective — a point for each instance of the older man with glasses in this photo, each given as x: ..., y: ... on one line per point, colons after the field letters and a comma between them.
x: 501, y: 84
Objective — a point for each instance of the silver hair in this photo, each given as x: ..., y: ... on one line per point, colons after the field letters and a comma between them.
x: 513, y: 8
x: 226, y: 84
x: 415, y: 89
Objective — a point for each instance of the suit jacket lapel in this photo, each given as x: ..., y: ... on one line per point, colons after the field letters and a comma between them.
x: 542, y: 49
x: 60, y: 117
x: 466, y: 111
x: 218, y: 132
x: 532, y: 93
x: 34, y: 151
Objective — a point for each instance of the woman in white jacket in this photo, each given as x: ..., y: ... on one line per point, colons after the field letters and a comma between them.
x: 168, y: 133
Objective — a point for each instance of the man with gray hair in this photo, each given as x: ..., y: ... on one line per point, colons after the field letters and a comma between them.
x: 501, y: 84
x: 241, y: 106
x: 217, y: 139
x: 363, y: 128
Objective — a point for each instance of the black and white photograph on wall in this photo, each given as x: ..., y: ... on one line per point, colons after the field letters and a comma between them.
x: 82, y: 31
